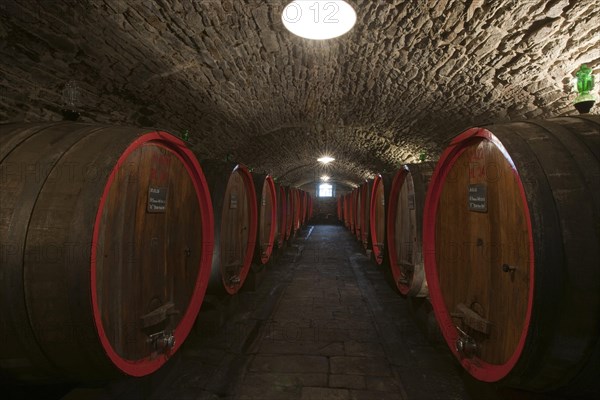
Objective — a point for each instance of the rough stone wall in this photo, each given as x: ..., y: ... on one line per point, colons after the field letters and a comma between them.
x: 407, y: 78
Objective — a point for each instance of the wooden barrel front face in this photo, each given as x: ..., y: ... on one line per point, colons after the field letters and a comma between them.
x: 147, y: 233
x: 238, y: 229
x: 304, y: 209
x: 357, y: 212
x: 124, y: 283
x: 289, y: 212
x: 405, y: 229
x: 293, y: 213
x: 352, y: 210
x: 402, y: 231
x: 346, y: 212
x: 281, y: 215
x: 482, y: 224
x: 297, y: 206
x: 512, y: 258
x: 377, y: 219
x: 365, y: 212
x: 267, y: 219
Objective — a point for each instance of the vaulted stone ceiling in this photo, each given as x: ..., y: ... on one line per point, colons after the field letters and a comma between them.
x: 407, y: 78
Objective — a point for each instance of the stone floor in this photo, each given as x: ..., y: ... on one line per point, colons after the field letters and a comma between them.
x: 329, y: 336
x: 318, y: 322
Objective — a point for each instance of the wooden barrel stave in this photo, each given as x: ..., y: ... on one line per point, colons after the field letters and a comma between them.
x: 76, y: 339
x: 553, y: 337
x: 15, y: 134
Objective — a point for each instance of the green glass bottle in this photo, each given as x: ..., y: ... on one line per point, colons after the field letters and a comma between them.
x: 585, y: 84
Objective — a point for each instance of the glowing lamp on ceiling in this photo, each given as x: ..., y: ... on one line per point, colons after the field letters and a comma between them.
x: 325, y: 159
x: 584, y: 86
x: 318, y: 19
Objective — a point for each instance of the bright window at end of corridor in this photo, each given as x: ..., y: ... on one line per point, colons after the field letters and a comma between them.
x: 325, y: 190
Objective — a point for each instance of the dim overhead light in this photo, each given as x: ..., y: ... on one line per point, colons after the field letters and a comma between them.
x: 318, y: 19
x: 324, y: 178
x: 325, y: 159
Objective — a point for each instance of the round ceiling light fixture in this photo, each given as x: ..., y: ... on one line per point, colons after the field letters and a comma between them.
x: 325, y: 159
x: 318, y: 19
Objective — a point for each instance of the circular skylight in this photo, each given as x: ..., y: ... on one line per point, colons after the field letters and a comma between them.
x: 318, y: 19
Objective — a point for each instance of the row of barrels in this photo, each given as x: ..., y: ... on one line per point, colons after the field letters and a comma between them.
x: 502, y: 235
x: 112, y: 236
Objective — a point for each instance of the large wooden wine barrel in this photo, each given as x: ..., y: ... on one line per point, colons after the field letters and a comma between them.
x: 266, y: 198
x: 512, y: 234
x: 346, y: 210
x: 351, y: 210
x: 106, y: 239
x: 289, y: 212
x: 296, y: 209
x: 405, y: 228
x: 377, y: 219
x: 365, y: 214
x: 357, y: 212
x: 303, y: 207
x: 281, y: 215
x: 236, y: 218
x: 300, y: 208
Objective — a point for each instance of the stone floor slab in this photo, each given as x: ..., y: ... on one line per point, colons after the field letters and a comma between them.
x: 289, y: 364
x: 317, y: 393
x: 376, y: 366
x: 347, y: 381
